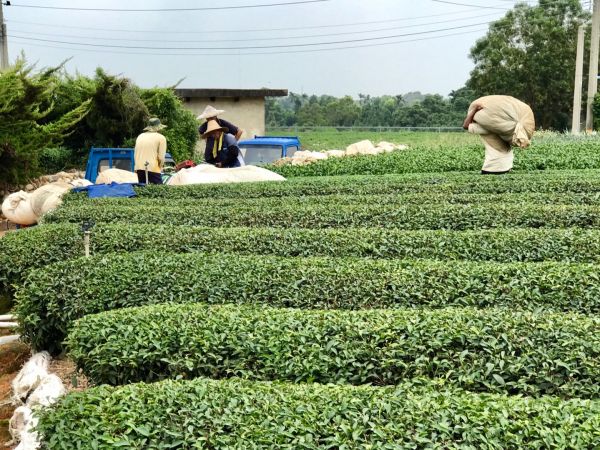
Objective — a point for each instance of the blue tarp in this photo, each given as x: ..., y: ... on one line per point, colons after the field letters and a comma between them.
x: 109, y: 190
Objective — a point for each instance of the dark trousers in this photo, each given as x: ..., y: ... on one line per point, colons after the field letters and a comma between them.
x: 153, y: 177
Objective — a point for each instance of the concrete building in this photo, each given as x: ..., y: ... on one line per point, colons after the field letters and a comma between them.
x: 243, y: 107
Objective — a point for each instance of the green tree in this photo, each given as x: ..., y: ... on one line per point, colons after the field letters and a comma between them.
x: 530, y: 54
x: 182, y: 126
x: 26, y: 101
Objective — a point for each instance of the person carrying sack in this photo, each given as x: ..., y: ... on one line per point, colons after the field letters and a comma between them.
x: 149, y: 153
x: 225, y: 153
x: 502, y: 122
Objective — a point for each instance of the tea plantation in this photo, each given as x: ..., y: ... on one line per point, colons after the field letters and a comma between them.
x: 397, y: 301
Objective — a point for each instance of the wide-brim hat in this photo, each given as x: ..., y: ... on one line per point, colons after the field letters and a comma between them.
x: 210, y: 111
x: 154, y: 125
x: 213, y: 125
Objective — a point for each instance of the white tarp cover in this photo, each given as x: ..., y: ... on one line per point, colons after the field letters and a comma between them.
x: 208, y: 174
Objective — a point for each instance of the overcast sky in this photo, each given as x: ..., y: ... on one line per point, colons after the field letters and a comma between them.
x: 382, y: 46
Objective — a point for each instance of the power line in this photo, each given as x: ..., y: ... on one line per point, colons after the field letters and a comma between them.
x: 380, y: 44
x: 472, y: 6
x: 244, y: 30
x: 210, y: 8
x: 252, y: 47
x: 279, y: 38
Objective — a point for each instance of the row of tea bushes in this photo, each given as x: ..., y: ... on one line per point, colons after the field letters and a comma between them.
x: 106, y: 282
x: 540, y: 156
x: 452, y: 182
x: 243, y: 414
x: 491, y: 350
x: 330, y: 214
x: 40, y: 246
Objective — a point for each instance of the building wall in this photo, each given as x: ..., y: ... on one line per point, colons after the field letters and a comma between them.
x: 246, y: 113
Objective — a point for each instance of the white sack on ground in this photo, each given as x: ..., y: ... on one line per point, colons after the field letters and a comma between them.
x: 80, y: 182
x: 48, y: 197
x: 31, y: 375
x: 116, y: 175
x: 208, y: 174
x: 17, y: 208
x: 509, y: 118
x: 21, y: 427
x: 335, y: 153
x: 48, y: 392
x: 365, y: 147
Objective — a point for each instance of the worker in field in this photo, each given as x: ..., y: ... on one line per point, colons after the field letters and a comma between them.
x: 503, y: 122
x: 211, y: 113
x: 225, y: 152
x: 149, y: 155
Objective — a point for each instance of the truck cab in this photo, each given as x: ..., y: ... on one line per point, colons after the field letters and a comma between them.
x: 267, y: 149
x: 101, y: 159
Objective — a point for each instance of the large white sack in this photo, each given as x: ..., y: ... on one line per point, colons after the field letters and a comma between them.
x: 386, y: 146
x: 48, y: 392
x: 116, y: 175
x: 31, y: 375
x: 17, y: 208
x: 80, y: 182
x: 360, y: 148
x: 21, y: 427
x: 208, y: 174
x: 335, y: 153
x: 48, y: 197
x: 507, y: 117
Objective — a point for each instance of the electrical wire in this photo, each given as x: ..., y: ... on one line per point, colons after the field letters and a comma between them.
x: 209, y: 8
x: 257, y: 39
x: 239, y: 30
x: 470, y: 5
x: 251, y: 47
x: 380, y: 44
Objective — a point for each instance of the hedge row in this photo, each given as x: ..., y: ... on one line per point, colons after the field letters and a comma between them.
x: 330, y: 214
x: 40, y: 246
x: 479, y: 350
x: 458, y: 183
x: 241, y: 414
x: 540, y: 156
x: 52, y: 298
x: 335, y: 200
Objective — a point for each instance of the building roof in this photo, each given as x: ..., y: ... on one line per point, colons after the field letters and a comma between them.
x: 230, y: 93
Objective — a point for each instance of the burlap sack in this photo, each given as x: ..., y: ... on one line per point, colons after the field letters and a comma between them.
x: 48, y: 197
x: 507, y: 117
x: 107, y: 176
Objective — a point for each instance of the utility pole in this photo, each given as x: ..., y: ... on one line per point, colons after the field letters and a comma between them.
x: 593, y: 73
x: 3, y: 39
x: 576, y: 123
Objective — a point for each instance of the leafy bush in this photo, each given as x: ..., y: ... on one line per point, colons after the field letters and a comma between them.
x: 25, y: 125
x: 537, y: 354
x: 182, y: 126
x: 40, y: 246
x: 242, y: 414
x: 540, y: 156
x: 331, y: 212
x: 53, y: 297
x: 580, y: 181
x: 53, y: 160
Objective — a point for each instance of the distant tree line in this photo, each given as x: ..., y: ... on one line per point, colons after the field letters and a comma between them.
x: 410, y: 110
x: 529, y: 54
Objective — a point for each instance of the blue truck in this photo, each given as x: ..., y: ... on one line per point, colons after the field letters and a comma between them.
x: 258, y: 151
x: 117, y: 158
x: 267, y: 149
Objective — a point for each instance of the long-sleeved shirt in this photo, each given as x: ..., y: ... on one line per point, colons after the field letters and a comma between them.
x: 210, y: 142
x: 150, y: 146
x: 228, y: 155
x: 498, y: 153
